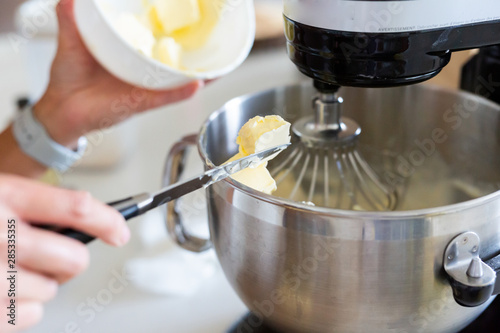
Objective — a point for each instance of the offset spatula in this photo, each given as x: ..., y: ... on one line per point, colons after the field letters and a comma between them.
x: 140, y: 204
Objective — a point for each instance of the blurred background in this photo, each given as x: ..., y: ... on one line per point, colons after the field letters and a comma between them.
x: 7, y: 9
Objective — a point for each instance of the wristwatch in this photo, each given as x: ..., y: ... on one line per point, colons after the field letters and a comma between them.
x: 36, y: 142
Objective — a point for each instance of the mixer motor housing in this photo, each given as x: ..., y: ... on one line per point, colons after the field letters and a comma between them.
x: 384, y: 43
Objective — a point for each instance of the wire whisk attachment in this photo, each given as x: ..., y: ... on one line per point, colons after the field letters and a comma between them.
x: 324, y: 167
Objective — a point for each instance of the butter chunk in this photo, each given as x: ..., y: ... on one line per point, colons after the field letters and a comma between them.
x: 258, y: 134
x: 257, y: 178
x: 135, y: 33
x: 196, y: 35
x: 168, y: 51
x: 173, y: 15
x: 261, y: 133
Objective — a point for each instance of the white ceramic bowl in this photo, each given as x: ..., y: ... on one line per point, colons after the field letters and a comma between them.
x: 227, y: 47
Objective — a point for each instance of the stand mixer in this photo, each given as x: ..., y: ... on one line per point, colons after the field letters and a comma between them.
x: 384, y: 44
x: 371, y: 44
x: 333, y: 250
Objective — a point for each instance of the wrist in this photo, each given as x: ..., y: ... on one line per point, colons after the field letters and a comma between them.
x: 34, y: 140
x: 48, y: 112
x: 14, y: 160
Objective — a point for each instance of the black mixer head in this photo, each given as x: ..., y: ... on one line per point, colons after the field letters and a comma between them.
x: 381, y: 43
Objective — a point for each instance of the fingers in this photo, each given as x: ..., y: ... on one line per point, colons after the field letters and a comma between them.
x: 50, y: 254
x: 28, y: 313
x: 31, y: 290
x: 207, y: 82
x: 35, y: 287
x: 29, y: 286
x: 39, y: 203
x: 31, y: 313
x: 159, y: 98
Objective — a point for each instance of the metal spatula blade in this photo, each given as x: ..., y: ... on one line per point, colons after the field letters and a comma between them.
x: 141, y: 203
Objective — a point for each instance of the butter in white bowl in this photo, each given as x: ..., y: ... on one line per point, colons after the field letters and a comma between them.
x: 135, y: 33
x: 160, y: 44
x: 169, y: 16
x: 258, y: 134
x: 167, y: 29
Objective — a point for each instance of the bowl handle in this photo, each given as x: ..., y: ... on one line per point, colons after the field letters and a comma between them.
x: 472, y: 280
x: 174, y: 167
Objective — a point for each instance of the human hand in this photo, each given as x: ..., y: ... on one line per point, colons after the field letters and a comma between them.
x: 82, y: 96
x: 43, y: 258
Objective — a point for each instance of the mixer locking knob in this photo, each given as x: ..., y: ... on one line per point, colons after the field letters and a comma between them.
x: 475, y: 269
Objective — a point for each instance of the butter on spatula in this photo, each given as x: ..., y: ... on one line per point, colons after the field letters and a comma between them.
x: 258, y: 134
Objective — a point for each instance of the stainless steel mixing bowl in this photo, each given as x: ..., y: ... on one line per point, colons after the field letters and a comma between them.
x: 310, y: 269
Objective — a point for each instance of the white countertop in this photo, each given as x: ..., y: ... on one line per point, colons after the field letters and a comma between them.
x: 215, y: 306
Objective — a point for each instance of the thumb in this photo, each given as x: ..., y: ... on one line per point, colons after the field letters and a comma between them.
x: 69, y: 36
x: 159, y: 98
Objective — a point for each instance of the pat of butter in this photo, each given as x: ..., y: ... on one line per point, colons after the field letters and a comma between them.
x: 168, y: 52
x: 196, y: 35
x: 135, y: 33
x: 261, y: 133
x: 172, y: 15
x: 258, y: 134
x: 257, y: 178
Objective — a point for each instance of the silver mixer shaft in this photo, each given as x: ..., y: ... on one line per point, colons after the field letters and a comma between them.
x: 328, y: 112
x: 327, y: 125
x: 324, y: 167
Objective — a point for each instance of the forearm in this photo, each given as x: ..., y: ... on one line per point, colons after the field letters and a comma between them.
x: 14, y: 161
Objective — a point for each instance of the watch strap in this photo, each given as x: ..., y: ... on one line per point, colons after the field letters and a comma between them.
x: 34, y: 140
